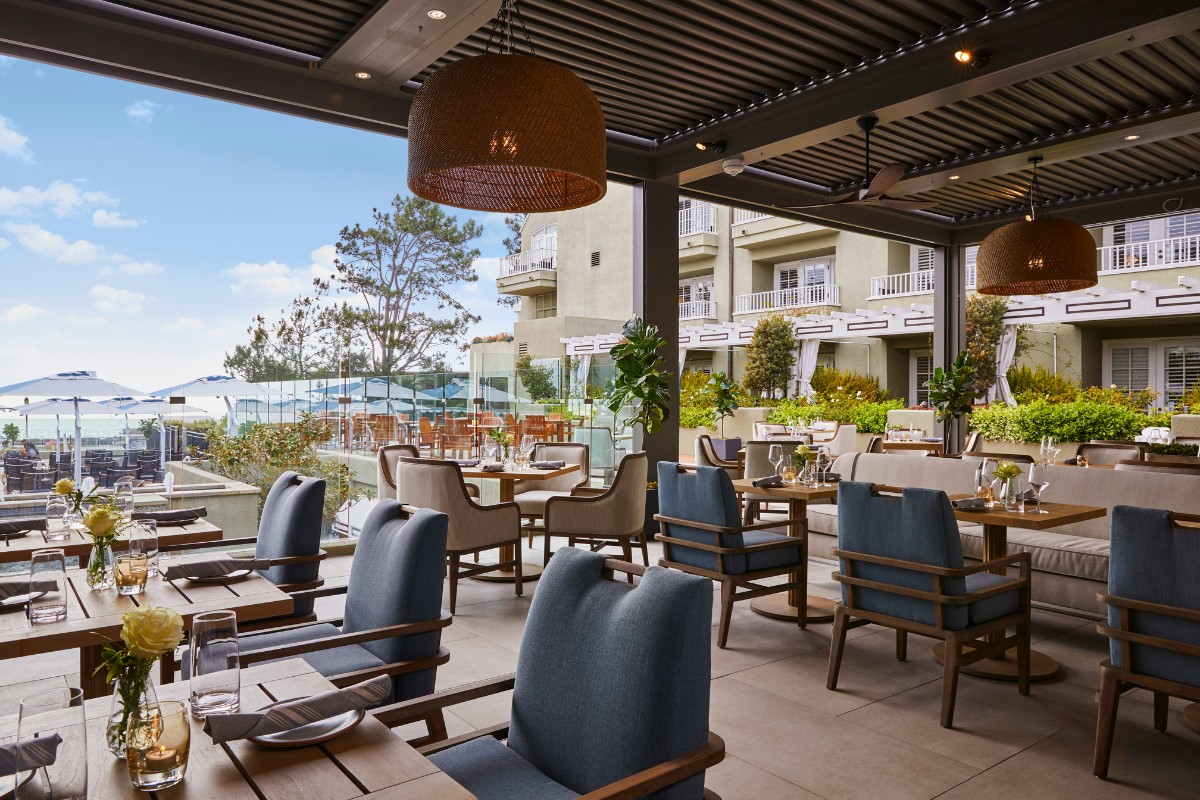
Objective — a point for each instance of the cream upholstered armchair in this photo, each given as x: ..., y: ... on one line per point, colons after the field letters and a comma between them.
x: 437, y: 484
x: 385, y: 471
x: 706, y: 456
x: 597, y: 518
x: 531, y: 496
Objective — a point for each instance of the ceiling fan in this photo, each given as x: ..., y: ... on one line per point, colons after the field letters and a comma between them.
x: 874, y: 191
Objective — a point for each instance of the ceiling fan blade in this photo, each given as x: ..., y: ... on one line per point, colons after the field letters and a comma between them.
x: 906, y: 205
x: 850, y: 198
x: 885, y: 179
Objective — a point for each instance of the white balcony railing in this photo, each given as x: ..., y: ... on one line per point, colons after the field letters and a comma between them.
x: 824, y: 294
x: 1182, y: 251
x: 741, y: 215
x: 698, y: 309
x: 901, y: 284
x: 697, y: 217
x: 539, y: 258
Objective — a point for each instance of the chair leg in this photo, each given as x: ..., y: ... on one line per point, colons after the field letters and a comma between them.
x: 950, y: 682
x: 453, y: 581
x: 1161, y: 699
x: 645, y: 551
x: 1106, y: 721
x: 517, y: 568
x: 1023, y: 634
x: 836, y: 645
x: 436, y: 722
x: 627, y: 555
x: 901, y: 645
x: 726, y: 613
x: 545, y: 548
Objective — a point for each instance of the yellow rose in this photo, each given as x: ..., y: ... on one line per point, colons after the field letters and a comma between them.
x: 102, y: 521
x: 64, y: 486
x: 150, y: 631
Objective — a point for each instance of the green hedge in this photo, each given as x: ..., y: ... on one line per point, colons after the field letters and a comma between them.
x: 1077, y: 421
x: 697, y: 417
x: 866, y: 417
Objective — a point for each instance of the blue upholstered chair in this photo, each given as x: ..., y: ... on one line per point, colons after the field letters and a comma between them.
x: 290, y: 526
x: 393, y: 615
x: 612, y: 685
x: 1153, y: 617
x: 901, y: 566
x: 702, y: 534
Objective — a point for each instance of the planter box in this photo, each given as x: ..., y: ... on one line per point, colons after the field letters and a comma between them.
x: 1166, y: 459
x: 650, y: 528
x: 727, y: 449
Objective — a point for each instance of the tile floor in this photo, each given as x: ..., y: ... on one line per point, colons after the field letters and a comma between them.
x: 788, y: 738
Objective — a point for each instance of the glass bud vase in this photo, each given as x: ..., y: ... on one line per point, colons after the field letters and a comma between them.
x: 129, y: 694
x: 100, y: 567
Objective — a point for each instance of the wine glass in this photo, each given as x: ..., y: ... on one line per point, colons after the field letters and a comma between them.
x: 822, y: 467
x: 528, y: 445
x: 1038, y: 480
x: 775, y: 456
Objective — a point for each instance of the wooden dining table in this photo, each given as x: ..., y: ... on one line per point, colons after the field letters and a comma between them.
x: 793, y: 604
x: 508, y: 484
x: 79, y: 544
x: 369, y: 761
x: 94, y: 618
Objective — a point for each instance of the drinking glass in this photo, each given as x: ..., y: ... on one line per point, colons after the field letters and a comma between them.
x: 47, y: 573
x: 56, y: 513
x: 48, y: 713
x: 215, y: 683
x: 1014, y: 497
x: 822, y: 467
x: 775, y: 456
x: 489, y: 453
x: 528, y: 443
x: 130, y: 573
x: 157, y: 743
x: 143, y: 538
x: 124, y: 498
x: 1039, y: 479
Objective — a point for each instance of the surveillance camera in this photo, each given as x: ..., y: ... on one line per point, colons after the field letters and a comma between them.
x: 734, y: 166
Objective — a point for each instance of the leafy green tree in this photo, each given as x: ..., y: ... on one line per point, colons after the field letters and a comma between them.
x: 985, y: 326
x: 11, y: 433
x: 952, y: 391
x: 538, y: 379
x: 770, y: 357
x: 638, y: 381
x: 724, y: 394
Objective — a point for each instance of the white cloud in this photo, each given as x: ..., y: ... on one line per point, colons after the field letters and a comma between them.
x: 488, y: 269
x: 275, y: 278
x: 111, y: 300
x: 22, y: 312
x: 61, y: 197
x: 186, y: 324
x: 113, y: 219
x: 12, y: 143
x: 4, y: 243
x: 142, y: 112
x: 140, y: 268
x: 42, y: 242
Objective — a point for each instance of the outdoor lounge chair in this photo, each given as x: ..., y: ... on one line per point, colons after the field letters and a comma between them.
x: 601, y: 518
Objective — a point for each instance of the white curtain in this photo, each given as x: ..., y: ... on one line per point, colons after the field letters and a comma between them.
x: 682, y: 358
x: 583, y: 369
x: 1006, y: 348
x: 805, y: 366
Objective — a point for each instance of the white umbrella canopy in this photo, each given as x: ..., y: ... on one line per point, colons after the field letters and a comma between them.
x: 158, y: 406
x: 75, y: 385
x: 223, y: 386
x: 57, y: 406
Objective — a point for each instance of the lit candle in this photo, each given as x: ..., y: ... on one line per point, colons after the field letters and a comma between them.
x: 161, y: 759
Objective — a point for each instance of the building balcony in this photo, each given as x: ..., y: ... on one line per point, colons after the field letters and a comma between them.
x: 902, y: 284
x: 697, y: 217
x: 744, y: 215
x: 1182, y: 251
x: 698, y: 310
x: 529, y: 273
x: 801, y: 297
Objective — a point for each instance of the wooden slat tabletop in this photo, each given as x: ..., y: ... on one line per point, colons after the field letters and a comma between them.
x: 794, y: 491
x: 519, y: 474
x: 80, y: 544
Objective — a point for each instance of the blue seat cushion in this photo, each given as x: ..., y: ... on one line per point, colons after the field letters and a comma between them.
x: 491, y: 771
x: 993, y: 607
x: 770, y: 559
x: 327, y: 662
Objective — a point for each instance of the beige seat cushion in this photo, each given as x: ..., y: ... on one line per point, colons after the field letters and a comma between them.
x: 1080, y: 556
x: 534, y: 501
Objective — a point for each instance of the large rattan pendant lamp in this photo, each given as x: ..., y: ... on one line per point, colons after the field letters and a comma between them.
x: 1036, y: 256
x: 506, y: 131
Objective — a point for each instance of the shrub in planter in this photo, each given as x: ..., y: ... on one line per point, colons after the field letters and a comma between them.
x: 724, y: 396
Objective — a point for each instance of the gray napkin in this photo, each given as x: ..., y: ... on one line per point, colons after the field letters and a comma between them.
x: 547, y: 464
x: 971, y: 504
x: 467, y: 462
x: 11, y: 526
x: 29, y: 754
x: 493, y: 468
x: 829, y: 477
x: 297, y: 713
x: 214, y: 568
x: 13, y: 588
x: 769, y: 481
x: 180, y: 516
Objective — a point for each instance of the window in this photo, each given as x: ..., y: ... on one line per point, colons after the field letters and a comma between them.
x: 1132, y: 232
x: 545, y: 306
x: 810, y: 272
x: 969, y: 261
x: 920, y: 370
x: 595, y: 258
x: 787, y: 279
x: 544, y: 247
x: 685, y: 293
x: 1183, y: 225
x: 1186, y: 228
x: 1129, y: 367
x: 922, y: 258
x: 695, y: 290
x: 523, y: 349
x: 1181, y: 371
x: 1167, y: 366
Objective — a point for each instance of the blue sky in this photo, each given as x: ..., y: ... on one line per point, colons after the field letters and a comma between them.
x: 141, y: 229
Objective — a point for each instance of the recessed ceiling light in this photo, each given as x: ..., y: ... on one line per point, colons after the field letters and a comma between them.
x: 955, y: 177
x: 962, y: 56
x: 362, y: 76
x: 971, y: 58
x: 435, y: 13
x: 1133, y: 137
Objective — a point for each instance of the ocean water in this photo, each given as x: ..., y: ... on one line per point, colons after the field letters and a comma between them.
x: 42, y: 429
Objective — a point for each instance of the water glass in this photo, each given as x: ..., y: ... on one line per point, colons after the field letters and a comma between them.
x: 130, y: 573
x: 48, y: 713
x: 215, y: 683
x: 157, y: 743
x: 47, y: 573
x: 124, y: 498
x: 143, y: 539
x: 56, y: 519
x: 1014, y: 495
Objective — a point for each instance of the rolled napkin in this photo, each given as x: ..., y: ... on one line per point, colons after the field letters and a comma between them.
x: 1072, y: 461
x: 493, y: 468
x: 1029, y: 494
x: 467, y: 462
x: 547, y: 464
x: 214, y: 568
x: 13, y: 588
x: 931, y: 439
x: 180, y: 516
x: 767, y: 482
x: 10, y: 526
x: 829, y: 477
x: 297, y: 713
x: 971, y: 504
x: 29, y: 754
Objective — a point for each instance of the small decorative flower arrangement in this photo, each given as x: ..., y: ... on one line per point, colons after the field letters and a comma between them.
x: 104, y: 523
x: 75, y: 497
x: 502, y: 438
x: 147, y: 633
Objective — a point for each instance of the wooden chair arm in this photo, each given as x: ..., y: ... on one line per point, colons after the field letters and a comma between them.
x: 1153, y: 608
x: 588, y: 491
x: 730, y: 551
x: 250, y: 540
x: 704, y: 526
x: 1147, y: 640
x: 341, y: 640
x: 663, y: 775
x: 947, y: 572
x: 418, y: 708
x: 934, y: 597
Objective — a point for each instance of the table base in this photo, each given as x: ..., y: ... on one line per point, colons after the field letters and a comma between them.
x: 776, y: 606
x: 529, y: 572
x: 1041, y: 666
x: 1191, y: 716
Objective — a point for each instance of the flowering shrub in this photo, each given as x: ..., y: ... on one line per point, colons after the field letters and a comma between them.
x: 495, y: 337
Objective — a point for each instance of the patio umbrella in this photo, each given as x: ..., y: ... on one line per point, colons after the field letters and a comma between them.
x: 156, y: 406
x: 77, y: 386
x: 59, y: 406
x: 223, y: 386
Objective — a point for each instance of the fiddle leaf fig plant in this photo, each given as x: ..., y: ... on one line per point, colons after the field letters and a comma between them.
x: 724, y: 394
x: 638, y: 382
x: 952, y: 391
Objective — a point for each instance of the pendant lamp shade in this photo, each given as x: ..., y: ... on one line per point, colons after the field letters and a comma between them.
x: 1037, y: 256
x: 508, y: 133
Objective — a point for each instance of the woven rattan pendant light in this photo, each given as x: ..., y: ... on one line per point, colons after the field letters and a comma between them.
x: 506, y: 131
x: 1036, y: 256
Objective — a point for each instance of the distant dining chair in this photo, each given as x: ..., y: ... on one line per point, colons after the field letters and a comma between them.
x: 1109, y: 454
x: 974, y: 442
x: 875, y: 445
x: 706, y: 456
x: 823, y: 431
x: 769, y: 430
x: 610, y: 697
x: 474, y: 528
x: 843, y: 441
x: 702, y: 534
x: 1153, y: 624
x: 532, y: 496
x: 385, y: 468
x: 601, y: 518
x: 1016, y: 458
x: 901, y: 566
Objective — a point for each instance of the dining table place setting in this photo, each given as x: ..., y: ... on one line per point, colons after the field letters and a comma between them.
x: 215, y: 569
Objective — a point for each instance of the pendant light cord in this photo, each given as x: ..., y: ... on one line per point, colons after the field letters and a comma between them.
x: 1035, y: 189
x: 502, y: 27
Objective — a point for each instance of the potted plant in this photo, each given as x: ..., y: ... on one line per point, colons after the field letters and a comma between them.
x: 724, y: 394
x: 952, y: 391
x: 641, y: 385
